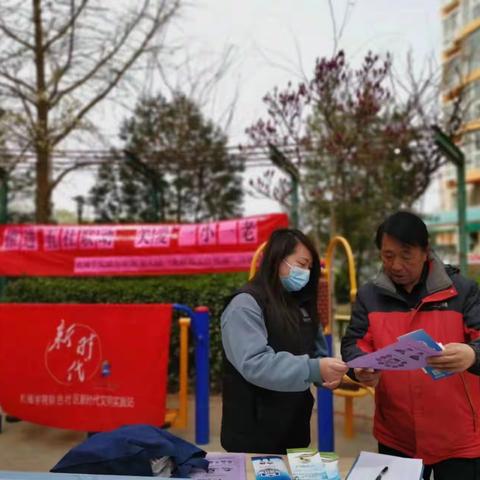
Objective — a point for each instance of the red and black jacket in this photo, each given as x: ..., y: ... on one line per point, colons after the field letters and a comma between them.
x: 425, y: 418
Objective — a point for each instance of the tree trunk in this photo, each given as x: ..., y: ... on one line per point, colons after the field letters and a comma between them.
x: 43, y: 208
x: 43, y: 205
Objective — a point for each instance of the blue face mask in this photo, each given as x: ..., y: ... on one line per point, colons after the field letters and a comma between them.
x: 296, y: 279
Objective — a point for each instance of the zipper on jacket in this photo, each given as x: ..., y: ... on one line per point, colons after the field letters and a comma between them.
x: 415, y: 310
x: 469, y: 398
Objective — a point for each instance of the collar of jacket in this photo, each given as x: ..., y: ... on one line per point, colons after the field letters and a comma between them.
x: 439, y: 285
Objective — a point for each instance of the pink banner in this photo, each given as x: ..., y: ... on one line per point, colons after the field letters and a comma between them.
x: 165, y: 264
x: 46, y: 250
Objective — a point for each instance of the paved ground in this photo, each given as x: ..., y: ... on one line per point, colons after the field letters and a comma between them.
x: 28, y: 447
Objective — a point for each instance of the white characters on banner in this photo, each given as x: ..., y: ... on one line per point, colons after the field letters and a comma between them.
x: 74, y: 354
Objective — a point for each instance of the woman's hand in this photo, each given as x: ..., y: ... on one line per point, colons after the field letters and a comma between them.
x: 367, y: 376
x: 332, y: 371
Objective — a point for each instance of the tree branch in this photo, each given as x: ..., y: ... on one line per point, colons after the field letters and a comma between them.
x: 68, y: 170
x: 60, y: 72
x: 157, y: 21
x: 68, y: 25
x: 15, y: 37
x: 16, y: 80
x: 114, y: 81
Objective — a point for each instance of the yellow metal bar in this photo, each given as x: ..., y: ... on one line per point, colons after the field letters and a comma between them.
x: 182, y: 417
x: 253, y: 264
x: 338, y: 240
x: 351, y: 263
x: 349, y: 429
x: 171, y: 416
x: 349, y: 396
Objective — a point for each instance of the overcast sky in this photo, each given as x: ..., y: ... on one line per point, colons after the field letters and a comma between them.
x: 271, y: 42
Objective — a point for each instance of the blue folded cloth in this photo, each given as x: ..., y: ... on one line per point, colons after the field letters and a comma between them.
x: 129, y: 450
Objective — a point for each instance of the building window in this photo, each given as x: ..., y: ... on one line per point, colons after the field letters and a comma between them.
x: 471, y: 149
x: 466, y: 11
x: 470, y: 103
x: 473, y: 112
x: 475, y: 195
x: 475, y: 10
x: 472, y: 52
x: 449, y: 27
x: 452, y: 73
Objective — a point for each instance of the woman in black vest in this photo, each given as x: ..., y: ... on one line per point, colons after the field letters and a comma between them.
x: 274, y: 350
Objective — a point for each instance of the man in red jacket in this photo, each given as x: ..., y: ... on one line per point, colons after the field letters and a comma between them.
x: 416, y: 416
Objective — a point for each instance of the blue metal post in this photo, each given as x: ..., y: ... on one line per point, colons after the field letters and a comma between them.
x: 202, y: 381
x: 201, y: 332
x: 326, y: 438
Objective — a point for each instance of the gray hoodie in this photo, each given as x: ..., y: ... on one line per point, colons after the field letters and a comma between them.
x: 244, y: 339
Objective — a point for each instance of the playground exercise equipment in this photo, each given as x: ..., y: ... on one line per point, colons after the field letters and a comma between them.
x: 349, y: 389
x: 200, y: 322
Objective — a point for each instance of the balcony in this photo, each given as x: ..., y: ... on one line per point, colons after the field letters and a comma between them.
x: 449, y: 5
x: 443, y: 221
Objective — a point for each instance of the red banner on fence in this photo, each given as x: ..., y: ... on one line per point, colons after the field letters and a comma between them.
x: 46, y: 250
x: 84, y: 367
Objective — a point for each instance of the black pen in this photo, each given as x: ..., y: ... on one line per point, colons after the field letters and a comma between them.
x: 382, y: 473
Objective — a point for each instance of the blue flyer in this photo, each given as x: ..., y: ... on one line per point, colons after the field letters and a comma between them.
x: 270, y: 466
x: 422, y: 336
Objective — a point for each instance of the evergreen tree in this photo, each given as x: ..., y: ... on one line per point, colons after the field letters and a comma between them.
x: 177, y: 169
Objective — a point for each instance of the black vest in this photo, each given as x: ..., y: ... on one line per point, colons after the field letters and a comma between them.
x: 258, y: 420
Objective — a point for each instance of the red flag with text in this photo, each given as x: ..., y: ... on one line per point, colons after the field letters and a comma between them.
x: 84, y: 367
x: 101, y: 250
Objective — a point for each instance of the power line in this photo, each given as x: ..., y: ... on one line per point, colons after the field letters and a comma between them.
x: 95, y: 159
x: 252, y: 156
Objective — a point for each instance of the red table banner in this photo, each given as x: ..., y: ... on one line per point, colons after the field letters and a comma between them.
x: 84, y: 367
x: 154, y: 249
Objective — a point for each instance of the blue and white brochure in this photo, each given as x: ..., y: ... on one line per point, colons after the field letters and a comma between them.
x: 422, y: 336
x: 270, y: 466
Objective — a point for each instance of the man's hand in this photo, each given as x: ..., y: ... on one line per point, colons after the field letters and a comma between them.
x: 367, y: 376
x: 332, y: 371
x: 456, y: 357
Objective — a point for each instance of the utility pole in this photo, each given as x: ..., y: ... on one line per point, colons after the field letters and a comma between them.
x: 3, y: 196
x: 152, y: 178
x: 3, y: 218
x: 446, y: 145
x: 80, y: 201
x: 286, y: 166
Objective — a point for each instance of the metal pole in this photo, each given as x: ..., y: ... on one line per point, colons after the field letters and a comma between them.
x: 284, y: 164
x: 200, y: 329
x: 326, y: 432
x: 448, y: 147
x: 3, y: 196
x: 462, y: 220
x: 154, y: 194
x: 294, y: 201
x: 3, y: 219
x: 152, y: 177
x: 202, y: 381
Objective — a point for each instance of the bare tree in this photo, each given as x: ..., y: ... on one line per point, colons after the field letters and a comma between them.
x: 59, y: 59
